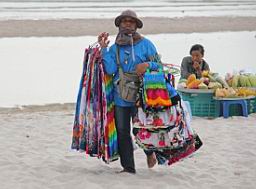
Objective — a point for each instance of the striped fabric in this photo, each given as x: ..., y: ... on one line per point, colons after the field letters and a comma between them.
x: 155, y: 90
x: 94, y: 128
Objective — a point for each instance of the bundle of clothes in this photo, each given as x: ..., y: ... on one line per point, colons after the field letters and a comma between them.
x: 94, y: 130
x: 162, y: 122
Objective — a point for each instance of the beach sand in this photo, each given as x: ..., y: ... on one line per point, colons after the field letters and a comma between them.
x: 35, y: 153
x: 83, y: 27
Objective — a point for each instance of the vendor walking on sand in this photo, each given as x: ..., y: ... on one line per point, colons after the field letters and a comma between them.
x: 194, y: 64
x: 127, y: 59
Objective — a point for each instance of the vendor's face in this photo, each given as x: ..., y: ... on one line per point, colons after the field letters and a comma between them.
x: 196, y: 56
x: 128, y: 23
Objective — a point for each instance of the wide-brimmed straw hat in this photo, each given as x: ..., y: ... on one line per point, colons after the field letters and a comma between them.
x: 131, y: 14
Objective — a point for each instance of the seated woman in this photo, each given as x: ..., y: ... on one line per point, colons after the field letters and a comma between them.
x: 194, y: 64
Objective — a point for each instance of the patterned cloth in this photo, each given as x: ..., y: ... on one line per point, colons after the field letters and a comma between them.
x: 164, y: 127
x: 155, y: 90
x: 94, y: 128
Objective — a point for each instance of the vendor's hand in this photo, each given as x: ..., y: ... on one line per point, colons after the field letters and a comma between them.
x: 103, y: 39
x: 141, y: 68
x: 196, y: 65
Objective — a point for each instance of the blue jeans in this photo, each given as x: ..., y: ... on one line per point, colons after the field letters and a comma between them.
x: 123, y: 117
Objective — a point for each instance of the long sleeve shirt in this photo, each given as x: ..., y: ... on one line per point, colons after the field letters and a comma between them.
x: 143, y: 50
x: 187, y: 68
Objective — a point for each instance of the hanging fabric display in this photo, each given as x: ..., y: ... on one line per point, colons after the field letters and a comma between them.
x: 94, y: 128
x: 162, y: 123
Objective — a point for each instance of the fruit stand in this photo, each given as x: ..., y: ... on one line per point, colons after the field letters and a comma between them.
x: 206, y: 94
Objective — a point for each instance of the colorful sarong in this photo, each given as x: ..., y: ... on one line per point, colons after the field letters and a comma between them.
x: 94, y: 128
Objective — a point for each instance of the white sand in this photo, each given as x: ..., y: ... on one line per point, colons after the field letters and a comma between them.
x: 151, y: 25
x: 35, y: 153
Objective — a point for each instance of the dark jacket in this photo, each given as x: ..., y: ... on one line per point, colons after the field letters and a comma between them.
x: 187, y: 68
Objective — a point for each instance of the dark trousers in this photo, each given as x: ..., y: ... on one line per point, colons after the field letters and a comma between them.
x: 123, y: 117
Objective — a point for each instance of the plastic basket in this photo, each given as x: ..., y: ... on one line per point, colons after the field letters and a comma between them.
x: 251, y: 104
x: 201, y: 102
x: 236, y: 109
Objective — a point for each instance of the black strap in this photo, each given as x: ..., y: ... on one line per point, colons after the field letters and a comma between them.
x: 203, y: 65
x: 120, y: 70
x: 117, y: 56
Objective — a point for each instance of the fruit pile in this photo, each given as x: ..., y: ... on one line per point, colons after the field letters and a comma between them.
x: 241, y: 80
x: 235, y: 93
x: 209, y: 80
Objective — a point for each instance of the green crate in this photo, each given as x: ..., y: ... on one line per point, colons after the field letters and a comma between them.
x: 202, y: 104
x: 236, y: 109
x: 251, y: 105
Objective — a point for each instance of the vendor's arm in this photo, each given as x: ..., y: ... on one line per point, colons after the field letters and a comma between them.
x: 206, y: 66
x: 150, y: 53
x: 184, y: 68
x: 197, y: 68
x: 200, y: 68
x: 109, y: 60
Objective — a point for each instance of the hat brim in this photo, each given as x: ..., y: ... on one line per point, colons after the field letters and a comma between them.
x: 119, y: 18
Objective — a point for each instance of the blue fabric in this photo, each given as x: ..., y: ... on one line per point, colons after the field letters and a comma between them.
x: 142, y: 50
x: 172, y: 91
